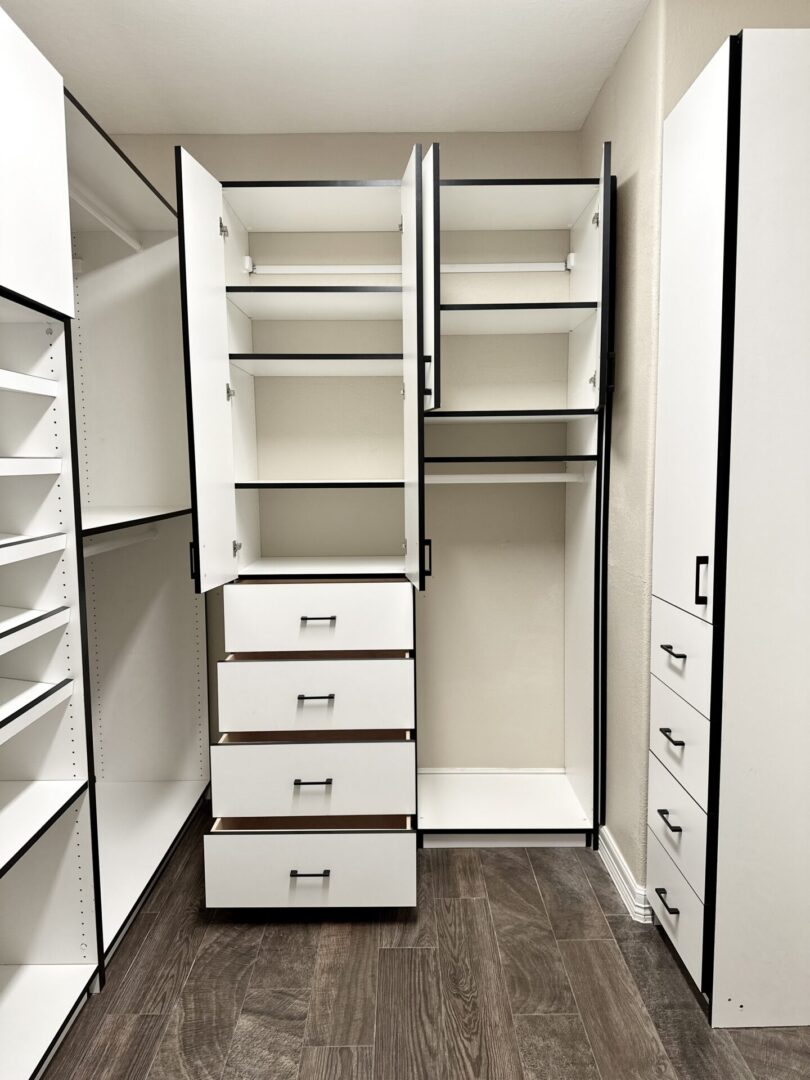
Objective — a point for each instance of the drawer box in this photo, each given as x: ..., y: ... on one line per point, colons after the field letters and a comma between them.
x: 366, y: 869
x: 685, y: 930
x: 689, y: 764
x: 339, y: 695
x: 258, y: 780
x: 686, y: 848
x: 306, y: 617
x: 688, y: 637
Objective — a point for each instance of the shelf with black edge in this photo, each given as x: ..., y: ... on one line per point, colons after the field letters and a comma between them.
x: 19, y: 626
x: 28, y: 808
x: 22, y: 702
x: 102, y: 519
x: 254, y: 485
x: 338, y: 566
x: 321, y: 206
x: 15, y: 548
x: 507, y: 416
x: 496, y: 319
x: 294, y: 303
x: 513, y: 477
x: 319, y: 364
x: 505, y: 205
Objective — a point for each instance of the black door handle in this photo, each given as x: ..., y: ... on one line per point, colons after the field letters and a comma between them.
x: 662, y: 895
x: 675, y: 655
x: 323, y: 873
x: 316, y: 697
x: 700, y: 560
x: 667, y: 733
x: 664, y: 815
x: 312, y: 783
x: 319, y: 618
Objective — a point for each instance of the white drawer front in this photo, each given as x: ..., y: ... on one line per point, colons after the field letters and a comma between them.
x: 365, y: 869
x: 688, y: 637
x: 315, y: 695
x: 685, y: 930
x: 259, y: 780
x: 305, y: 617
x: 689, y: 763
x: 686, y: 847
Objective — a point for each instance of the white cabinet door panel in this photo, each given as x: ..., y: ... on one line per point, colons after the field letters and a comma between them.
x: 413, y: 370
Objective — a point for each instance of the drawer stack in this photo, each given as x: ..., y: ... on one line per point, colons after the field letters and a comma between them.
x: 313, y: 775
x: 681, y: 665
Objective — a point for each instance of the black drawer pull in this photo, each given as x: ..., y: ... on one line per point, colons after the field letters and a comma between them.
x: 667, y: 733
x: 316, y: 697
x: 664, y: 815
x: 700, y: 560
x: 313, y: 783
x: 662, y: 896
x: 318, y: 618
x: 675, y: 655
x: 323, y: 873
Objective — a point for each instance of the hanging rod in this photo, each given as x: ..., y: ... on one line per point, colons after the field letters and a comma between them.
x: 126, y: 538
x: 94, y: 206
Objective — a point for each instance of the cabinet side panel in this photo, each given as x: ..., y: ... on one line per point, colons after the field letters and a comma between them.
x: 761, y: 973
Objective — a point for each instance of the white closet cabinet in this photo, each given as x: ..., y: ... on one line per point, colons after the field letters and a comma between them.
x: 302, y: 308
x: 730, y: 742
x: 510, y: 630
x: 145, y: 625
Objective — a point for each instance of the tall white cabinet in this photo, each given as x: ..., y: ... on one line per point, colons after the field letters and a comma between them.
x: 728, y: 871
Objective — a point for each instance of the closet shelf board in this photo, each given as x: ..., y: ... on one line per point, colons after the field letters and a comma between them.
x: 99, y: 519
x: 505, y: 205
x: 22, y: 702
x: 316, y: 205
x: 303, y: 484
x: 306, y: 364
x: 503, y: 478
x: 511, y: 458
x: 15, y: 548
x: 332, y: 302
x: 27, y: 810
x: 18, y: 383
x: 18, y: 626
x: 457, y: 800
x: 30, y: 466
x: 506, y: 416
x: 138, y: 822
x: 36, y: 1001
x: 497, y: 319
x: 336, y: 566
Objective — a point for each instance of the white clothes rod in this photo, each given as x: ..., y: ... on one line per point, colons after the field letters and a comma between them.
x: 343, y: 268
x: 504, y: 268
x: 504, y: 478
x: 379, y: 268
x: 85, y: 198
x: 97, y: 545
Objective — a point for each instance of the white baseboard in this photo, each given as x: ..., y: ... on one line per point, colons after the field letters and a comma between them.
x: 633, y: 894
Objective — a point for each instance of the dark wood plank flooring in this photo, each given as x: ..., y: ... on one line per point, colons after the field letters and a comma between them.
x: 516, y: 965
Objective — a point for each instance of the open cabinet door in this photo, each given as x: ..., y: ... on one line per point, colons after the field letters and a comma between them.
x: 606, y: 283
x: 205, y: 343
x: 413, y: 370
x: 432, y: 335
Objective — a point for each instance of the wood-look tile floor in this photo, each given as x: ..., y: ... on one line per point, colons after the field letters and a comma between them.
x: 515, y: 965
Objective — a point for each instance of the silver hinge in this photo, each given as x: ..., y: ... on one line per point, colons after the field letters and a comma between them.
x: 237, y: 547
x: 592, y: 379
x: 405, y: 547
x: 223, y: 228
x: 595, y: 219
x: 229, y: 392
x: 401, y: 223
x: 402, y: 391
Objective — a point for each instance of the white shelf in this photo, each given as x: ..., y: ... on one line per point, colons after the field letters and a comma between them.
x: 100, y: 518
x: 18, y: 626
x: 326, y: 269
x: 22, y: 702
x: 15, y: 548
x: 506, y: 207
x: 504, y: 478
x: 138, y: 822
x: 35, y: 1000
x: 486, y: 801
x: 304, y: 366
x: 18, y: 383
x: 30, y: 466
x: 505, y: 268
x: 301, y: 306
x: 26, y: 807
x: 315, y: 208
x: 361, y: 566
x: 554, y: 319
x: 549, y: 416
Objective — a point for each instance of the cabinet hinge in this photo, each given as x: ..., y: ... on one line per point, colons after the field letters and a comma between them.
x: 237, y: 547
x: 401, y: 224
x: 402, y: 391
x: 592, y: 379
x: 405, y: 546
x: 223, y: 229
x: 229, y: 392
x: 595, y: 219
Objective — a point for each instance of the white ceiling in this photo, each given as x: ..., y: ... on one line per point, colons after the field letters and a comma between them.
x: 259, y: 66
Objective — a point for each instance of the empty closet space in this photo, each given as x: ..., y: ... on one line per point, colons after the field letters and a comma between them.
x: 313, y: 274
x: 48, y: 953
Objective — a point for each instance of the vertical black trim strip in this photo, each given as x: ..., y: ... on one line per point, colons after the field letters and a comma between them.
x: 597, y: 631
x: 437, y: 283
x: 722, y: 502
x: 85, y: 648
x: 420, y: 361
x: 192, y: 459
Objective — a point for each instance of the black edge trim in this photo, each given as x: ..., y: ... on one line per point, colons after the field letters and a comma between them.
x: 61, y: 1030
x: 572, y: 305
x: 32, y: 622
x: 505, y: 832
x: 314, y: 485
x: 27, y: 302
x: 29, y: 843
x: 119, y: 151
x: 516, y: 457
x: 116, y: 525
x: 28, y: 540
x: 308, y: 183
x: 319, y: 576
x: 592, y: 181
x: 722, y: 503
x: 312, y: 289
x: 440, y: 413
x: 40, y: 697
x: 315, y: 356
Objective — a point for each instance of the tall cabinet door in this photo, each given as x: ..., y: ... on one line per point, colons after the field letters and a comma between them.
x: 205, y: 343
x: 692, y: 263
x: 36, y: 259
x: 432, y: 336
x: 413, y: 370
